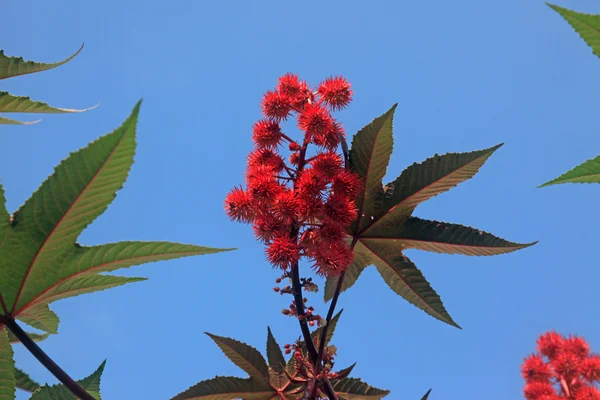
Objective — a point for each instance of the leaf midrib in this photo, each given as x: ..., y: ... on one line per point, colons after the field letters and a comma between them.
x: 35, y: 301
x: 403, y: 280
x: 58, y: 223
x: 382, y: 217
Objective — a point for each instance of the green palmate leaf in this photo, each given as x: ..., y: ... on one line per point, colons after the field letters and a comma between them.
x: 24, y: 382
x: 355, y: 389
x: 14, y: 66
x: 59, y: 392
x: 369, y: 156
x: 586, y: 25
x: 7, y: 367
x: 226, y: 388
x: 10, y: 103
x: 274, y: 354
x: 40, y: 317
x: 588, y: 172
x: 385, y: 226
x: 426, y: 395
x: 246, y: 357
x: 7, y: 121
x: 40, y: 261
x: 36, y: 337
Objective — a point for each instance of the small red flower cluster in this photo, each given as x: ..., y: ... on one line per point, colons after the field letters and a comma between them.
x: 299, y: 208
x: 570, y: 371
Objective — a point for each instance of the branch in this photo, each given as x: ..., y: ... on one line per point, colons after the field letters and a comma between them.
x: 46, y: 361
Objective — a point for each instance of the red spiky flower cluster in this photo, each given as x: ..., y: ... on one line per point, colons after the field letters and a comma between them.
x: 563, y: 368
x: 300, y: 205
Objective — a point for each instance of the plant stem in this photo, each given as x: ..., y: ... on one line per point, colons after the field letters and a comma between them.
x: 46, y: 361
x: 310, y: 346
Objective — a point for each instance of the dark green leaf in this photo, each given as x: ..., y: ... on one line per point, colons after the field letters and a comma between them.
x: 246, y: 357
x: 14, y: 66
x: 359, y: 263
x: 316, y: 335
x: 439, y: 237
x: 588, y: 172
x: 586, y: 25
x: 274, y: 354
x: 436, y: 175
x: 227, y: 388
x: 24, y: 382
x: 355, y: 389
x: 59, y: 392
x: 7, y: 367
x: 426, y: 395
x: 404, y: 278
x: 369, y: 157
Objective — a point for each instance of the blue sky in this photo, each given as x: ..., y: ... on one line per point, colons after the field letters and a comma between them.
x: 467, y: 75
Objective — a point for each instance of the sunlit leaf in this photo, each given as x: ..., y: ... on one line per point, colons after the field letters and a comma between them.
x: 586, y: 25
x: 40, y: 261
x: 21, y: 104
x: 588, y: 172
x: 14, y: 66
x: 91, y: 384
x: 7, y: 367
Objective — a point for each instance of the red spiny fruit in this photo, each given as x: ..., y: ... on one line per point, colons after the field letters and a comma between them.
x: 238, y: 205
x: 346, y: 183
x: 331, y: 259
x: 285, y: 206
x: 534, y: 369
x: 587, y: 393
x: 339, y: 209
x: 266, y: 133
x: 550, y: 344
x: 590, y: 368
x: 297, y: 89
x: 535, y: 390
x: 313, y: 198
x: 283, y: 252
x: 266, y: 157
x: 310, y: 183
x: 570, y: 370
x: 336, y: 92
x: 276, y: 105
x: 327, y: 164
x: 577, y: 346
x: 315, y: 120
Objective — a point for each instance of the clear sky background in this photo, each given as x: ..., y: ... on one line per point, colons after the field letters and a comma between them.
x: 467, y: 75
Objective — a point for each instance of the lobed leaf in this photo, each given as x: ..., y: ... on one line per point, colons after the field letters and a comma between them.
x: 14, y: 66
x: 586, y: 25
x: 7, y: 121
x: 59, y: 392
x: 40, y: 261
x: 588, y: 172
x: 226, y: 388
x: 36, y: 337
x: 369, y: 157
x: 244, y: 356
x: 20, y: 104
x: 316, y: 334
x: 40, y: 317
x: 440, y: 237
x: 355, y: 389
x: 359, y: 263
x: 24, y: 382
x: 7, y: 367
x: 436, y: 175
x: 404, y: 278
x: 274, y: 354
